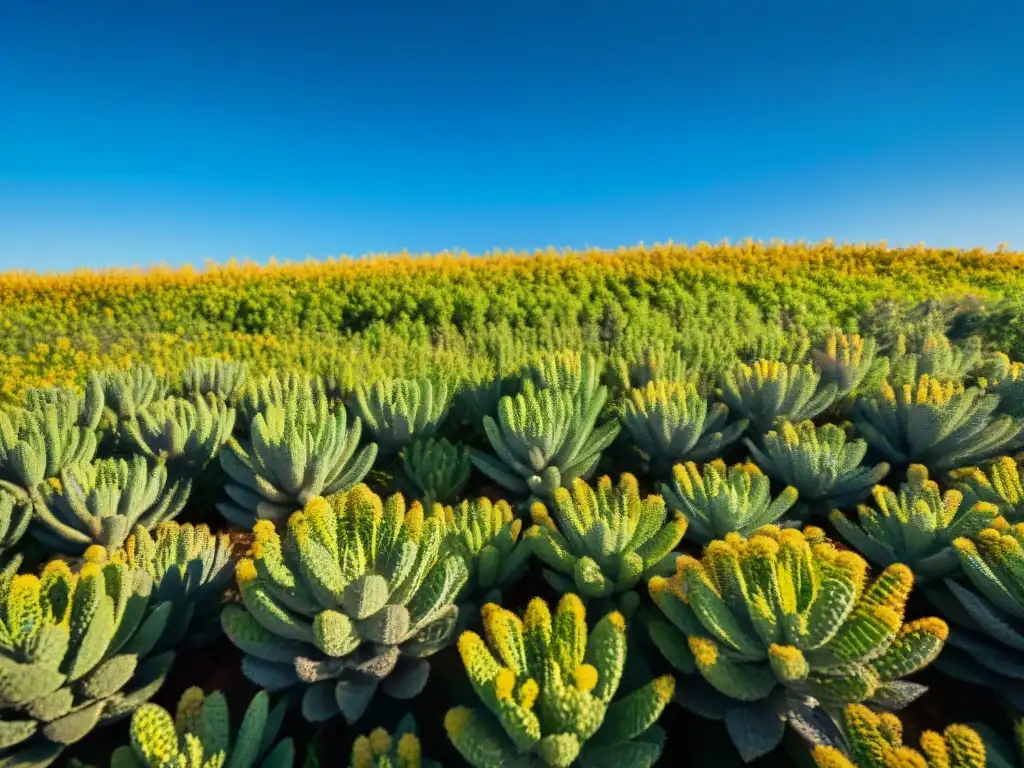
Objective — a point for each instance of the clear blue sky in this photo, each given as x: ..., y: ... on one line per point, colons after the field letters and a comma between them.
x: 179, y: 130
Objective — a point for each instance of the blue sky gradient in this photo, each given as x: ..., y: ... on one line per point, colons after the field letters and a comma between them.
x: 146, y: 131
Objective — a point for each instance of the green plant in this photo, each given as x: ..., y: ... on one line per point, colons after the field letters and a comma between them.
x: 75, y: 653
x: 398, y: 411
x: 769, y: 390
x: 382, y: 750
x: 191, y: 569
x: 716, y: 501
x: 186, y: 435
x: 601, y: 542
x: 38, y: 444
x: 986, y: 608
x: 225, y: 379
x: 544, y: 439
x: 845, y: 360
x: 548, y: 688
x: 935, y: 356
x: 781, y: 621
x: 100, y: 503
x: 125, y: 392
x: 357, y: 597
x: 936, y: 423
x: 875, y: 740
x: 199, y: 735
x: 998, y: 483
x: 15, y: 517
x: 916, y: 527
x: 295, y: 452
x: 819, y: 462
x: 671, y: 422
x: 486, y: 536
x: 437, y: 468
x: 567, y: 370
x: 276, y: 388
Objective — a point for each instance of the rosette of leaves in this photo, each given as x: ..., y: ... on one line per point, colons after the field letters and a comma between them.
x: 75, y: 653
x: 770, y: 390
x: 486, y: 535
x: 652, y: 362
x: 398, y: 411
x: 875, y: 740
x: 438, y: 469
x: 199, y: 735
x: 1007, y: 383
x: 936, y: 423
x: 100, y: 503
x: 986, y: 608
x: 997, y: 483
x: 845, y: 360
x: 935, y: 356
x: 191, y: 569
x: 294, y: 453
x: 15, y: 517
x: 716, y: 501
x: 84, y: 410
x: 380, y: 749
x: 544, y: 439
x: 125, y: 392
x: 782, y: 621
x: 601, y: 542
x: 567, y: 370
x: 823, y: 466
x: 185, y: 435
x: 357, y: 596
x: 548, y: 686
x: 276, y: 388
x: 38, y: 443
x: 224, y: 379
x: 916, y: 527
x: 671, y: 422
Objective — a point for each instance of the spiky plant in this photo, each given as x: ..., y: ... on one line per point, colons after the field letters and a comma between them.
x: 186, y: 435
x: 127, y: 391
x: 75, y: 653
x: 1007, y: 383
x: 671, y: 422
x: 199, y: 735
x: 294, y: 453
x: 917, y: 527
x: 997, y: 483
x: 845, y: 360
x: 225, y: 379
x: 986, y: 607
x: 381, y: 749
x: 39, y: 443
x: 936, y: 423
x: 875, y: 740
x: 548, y: 688
x: 783, y: 620
x: 567, y: 370
x: 486, y: 535
x: 100, y: 503
x: 602, y: 542
x: 649, y: 364
x: 190, y: 569
x: 769, y: 390
x: 15, y: 517
x: 544, y: 439
x: 819, y: 462
x: 934, y: 356
x: 437, y: 468
x: 398, y: 411
x: 357, y: 597
x: 276, y: 388
x: 716, y: 501
x: 85, y: 409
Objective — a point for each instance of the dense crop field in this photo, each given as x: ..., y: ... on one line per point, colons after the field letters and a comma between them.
x: 719, y: 505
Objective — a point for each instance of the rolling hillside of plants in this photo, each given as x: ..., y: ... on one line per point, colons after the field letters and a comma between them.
x: 722, y: 505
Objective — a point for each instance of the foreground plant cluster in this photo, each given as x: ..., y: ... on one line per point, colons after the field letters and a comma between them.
x: 590, y: 540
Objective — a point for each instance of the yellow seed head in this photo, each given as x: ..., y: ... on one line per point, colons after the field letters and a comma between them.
x: 409, y: 751
x: 380, y: 741
x: 504, y: 684
x: 585, y: 677
x: 245, y: 571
